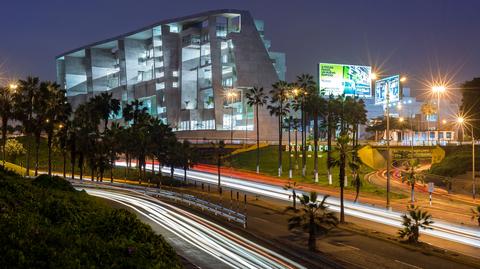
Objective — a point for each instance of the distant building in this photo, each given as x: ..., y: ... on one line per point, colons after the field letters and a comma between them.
x: 182, y: 70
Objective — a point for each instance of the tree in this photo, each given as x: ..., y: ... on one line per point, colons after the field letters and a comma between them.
x: 13, y: 149
x: 61, y: 141
x: 315, y: 104
x: 412, y: 177
x: 112, y: 138
x: 279, y: 107
x: 305, y: 83
x: 476, y: 214
x: 354, y: 165
x: 333, y: 111
x: 314, y: 218
x: 470, y: 106
x: 106, y: 106
x: 187, y: 157
x: 25, y: 99
x: 6, y: 113
x: 428, y: 109
x: 56, y: 113
x: 413, y: 220
x: 343, y: 150
x: 257, y: 97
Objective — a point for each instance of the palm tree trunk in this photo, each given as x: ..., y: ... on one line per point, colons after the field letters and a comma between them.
x: 315, y: 145
x: 37, y: 149
x: 329, y: 153
x: 4, y: 138
x: 280, y: 129
x: 289, y: 148
x: 412, y: 193
x: 342, y: 184
x: 80, y: 165
x: 258, y: 140
x: 311, y: 235
x: 304, y: 141
x: 64, y: 155
x: 49, y: 145
x: 296, y: 147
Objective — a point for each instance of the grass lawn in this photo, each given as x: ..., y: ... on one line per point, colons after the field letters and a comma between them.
x: 269, y: 166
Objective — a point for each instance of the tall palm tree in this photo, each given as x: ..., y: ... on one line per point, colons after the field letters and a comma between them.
x: 412, y: 177
x: 314, y: 218
x: 57, y: 110
x: 306, y: 83
x: 343, y: 150
x: 6, y: 113
x: 257, y: 97
x: 112, y: 139
x: 315, y: 105
x: 428, y: 109
x: 413, y: 220
x: 279, y: 107
x: 25, y: 98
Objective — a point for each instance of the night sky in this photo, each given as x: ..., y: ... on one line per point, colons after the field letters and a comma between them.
x: 424, y: 39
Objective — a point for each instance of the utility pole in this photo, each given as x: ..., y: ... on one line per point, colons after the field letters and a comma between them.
x: 387, y: 112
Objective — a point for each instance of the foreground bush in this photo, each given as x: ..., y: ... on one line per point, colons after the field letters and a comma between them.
x: 45, y: 223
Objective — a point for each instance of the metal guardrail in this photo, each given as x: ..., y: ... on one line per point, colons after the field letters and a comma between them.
x: 218, y: 210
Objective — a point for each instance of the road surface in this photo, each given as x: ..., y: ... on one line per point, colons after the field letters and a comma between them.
x: 200, y: 241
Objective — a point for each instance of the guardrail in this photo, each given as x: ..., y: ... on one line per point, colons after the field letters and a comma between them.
x: 218, y: 210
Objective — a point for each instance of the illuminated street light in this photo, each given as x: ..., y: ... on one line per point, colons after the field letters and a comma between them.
x: 438, y: 89
x: 231, y: 95
x: 462, y: 122
x: 13, y: 87
x: 444, y: 121
x: 373, y: 76
x: 401, y: 119
x: 403, y: 79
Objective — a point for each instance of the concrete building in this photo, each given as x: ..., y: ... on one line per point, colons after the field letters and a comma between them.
x: 182, y: 70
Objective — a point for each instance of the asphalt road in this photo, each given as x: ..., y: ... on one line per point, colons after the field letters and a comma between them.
x: 204, y: 243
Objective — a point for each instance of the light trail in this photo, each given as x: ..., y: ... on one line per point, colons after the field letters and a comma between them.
x: 445, y: 230
x: 231, y: 249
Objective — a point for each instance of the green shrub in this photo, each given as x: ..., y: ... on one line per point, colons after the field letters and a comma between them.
x: 44, y: 223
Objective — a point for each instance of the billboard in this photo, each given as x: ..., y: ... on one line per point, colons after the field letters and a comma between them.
x: 393, y: 85
x: 351, y: 80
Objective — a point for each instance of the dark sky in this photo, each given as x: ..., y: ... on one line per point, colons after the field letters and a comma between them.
x: 425, y: 39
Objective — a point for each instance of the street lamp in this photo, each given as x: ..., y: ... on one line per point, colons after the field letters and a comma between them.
x: 438, y: 90
x: 461, y: 121
x: 231, y: 95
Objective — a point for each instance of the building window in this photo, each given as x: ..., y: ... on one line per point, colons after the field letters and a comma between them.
x: 160, y: 74
x: 175, y: 73
x: 160, y: 86
x: 175, y: 84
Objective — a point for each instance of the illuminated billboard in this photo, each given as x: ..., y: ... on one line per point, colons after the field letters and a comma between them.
x: 393, y: 85
x: 351, y: 80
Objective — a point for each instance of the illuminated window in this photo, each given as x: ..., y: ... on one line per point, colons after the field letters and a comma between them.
x: 175, y: 73
x: 175, y: 84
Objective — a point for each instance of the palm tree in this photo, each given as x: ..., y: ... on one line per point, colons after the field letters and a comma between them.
x: 25, y: 98
x: 6, y: 113
x: 305, y: 83
x: 354, y: 164
x: 476, y: 214
x: 412, y: 177
x: 428, y: 109
x: 314, y: 218
x: 57, y: 111
x: 413, y: 220
x: 62, y: 143
x: 112, y: 138
x: 343, y: 150
x: 257, y: 97
x: 315, y: 105
x: 106, y: 106
x: 333, y: 111
x: 279, y: 107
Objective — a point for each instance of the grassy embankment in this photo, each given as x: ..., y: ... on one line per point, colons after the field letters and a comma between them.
x: 45, y: 223
x: 269, y: 166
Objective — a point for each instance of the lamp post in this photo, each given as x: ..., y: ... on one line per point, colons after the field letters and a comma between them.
x: 461, y: 121
x: 438, y: 90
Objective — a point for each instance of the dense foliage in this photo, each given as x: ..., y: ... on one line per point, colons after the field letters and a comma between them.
x: 456, y: 162
x: 45, y: 223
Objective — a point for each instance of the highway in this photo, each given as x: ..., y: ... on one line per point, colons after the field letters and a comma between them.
x: 220, y: 247
x: 448, y: 231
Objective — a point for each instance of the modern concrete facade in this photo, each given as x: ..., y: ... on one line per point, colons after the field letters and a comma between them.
x: 182, y: 70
